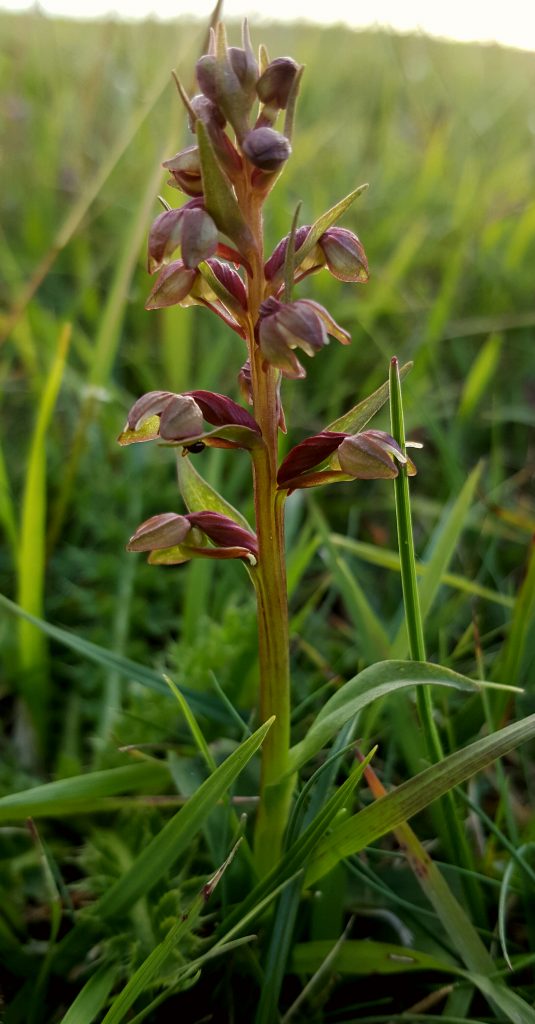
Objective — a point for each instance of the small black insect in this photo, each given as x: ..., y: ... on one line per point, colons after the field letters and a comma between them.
x: 198, y: 446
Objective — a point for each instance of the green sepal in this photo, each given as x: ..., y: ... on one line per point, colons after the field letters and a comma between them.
x: 220, y: 200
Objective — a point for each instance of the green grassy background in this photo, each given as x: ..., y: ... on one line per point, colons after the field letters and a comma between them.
x: 444, y: 134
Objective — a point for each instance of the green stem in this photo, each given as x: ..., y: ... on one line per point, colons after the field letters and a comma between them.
x: 270, y: 582
x: 453, y: 835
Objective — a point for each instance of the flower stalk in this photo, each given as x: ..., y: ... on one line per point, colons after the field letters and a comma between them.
x: 226, y: 176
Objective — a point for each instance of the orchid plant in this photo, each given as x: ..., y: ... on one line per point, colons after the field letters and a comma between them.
x: 239, y: 152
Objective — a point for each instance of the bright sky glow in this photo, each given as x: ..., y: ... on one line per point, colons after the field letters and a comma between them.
x: 512, y: 23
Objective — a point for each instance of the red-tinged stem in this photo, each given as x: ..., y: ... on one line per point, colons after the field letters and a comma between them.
x: 270, y: 582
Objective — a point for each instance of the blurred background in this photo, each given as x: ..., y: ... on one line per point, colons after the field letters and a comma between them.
x: 444, y: 133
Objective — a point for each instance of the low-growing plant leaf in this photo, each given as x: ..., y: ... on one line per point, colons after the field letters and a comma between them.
x: 201, y: 703
x: 159, y: 855
x: 373, y: 682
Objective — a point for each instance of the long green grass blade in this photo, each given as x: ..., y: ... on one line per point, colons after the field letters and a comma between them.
x: 443, y: 545
x: 74, y: 795
x: 34, y: 683
x: 371, y: 635
x: 387, y: 559
x: 93, y: 997
x: 112, y: 661
x: 8, y: 517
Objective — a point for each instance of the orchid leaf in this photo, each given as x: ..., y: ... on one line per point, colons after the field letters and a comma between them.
x: 373, y: 682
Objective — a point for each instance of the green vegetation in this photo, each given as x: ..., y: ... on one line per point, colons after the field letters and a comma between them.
x: 131, y: 733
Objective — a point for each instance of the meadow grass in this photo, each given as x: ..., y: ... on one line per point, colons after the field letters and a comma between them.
x: 444, y: 135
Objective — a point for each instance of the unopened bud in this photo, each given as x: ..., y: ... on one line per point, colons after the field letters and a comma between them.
x: 278, y: 256
x: 231, y: 280
x: 206, y: 76
x: 207, y: 112
x: 344, y: 255
x: 274, y: 86
x: 245, y: 68
x: 160, y: 532
x: 266, y: 148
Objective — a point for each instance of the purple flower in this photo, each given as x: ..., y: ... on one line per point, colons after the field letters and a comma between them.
x: 331, y: 456
x: 303, y: 324
x: 173, y: 539
x: 180, y: 419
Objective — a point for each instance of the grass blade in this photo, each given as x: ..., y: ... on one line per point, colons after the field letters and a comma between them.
x: 93, y: 997
x: 162, y: 851
x: 201, y: 703
x: 74, y: 795
x: 34, y: 684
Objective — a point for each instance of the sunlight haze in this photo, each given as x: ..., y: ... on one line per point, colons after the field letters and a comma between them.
x: 510, y: 24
